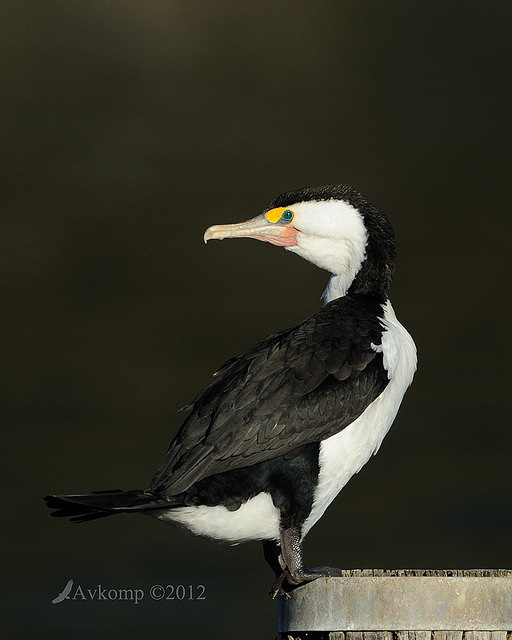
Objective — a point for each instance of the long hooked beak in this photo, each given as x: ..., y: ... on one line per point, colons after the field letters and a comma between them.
x: 259, y: 228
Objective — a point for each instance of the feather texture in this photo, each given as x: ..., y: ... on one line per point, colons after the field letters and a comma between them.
x: 299, y: 386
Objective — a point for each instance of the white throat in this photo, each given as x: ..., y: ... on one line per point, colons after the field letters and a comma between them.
x: 332, y: 235
x: 337, y: 287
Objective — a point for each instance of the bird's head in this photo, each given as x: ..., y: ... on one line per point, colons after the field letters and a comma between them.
x: 334, y: 227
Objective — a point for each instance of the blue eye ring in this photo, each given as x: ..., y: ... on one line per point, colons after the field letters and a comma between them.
x: 287, y: 215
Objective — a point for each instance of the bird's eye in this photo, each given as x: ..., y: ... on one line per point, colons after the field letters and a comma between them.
x: 287, y: 215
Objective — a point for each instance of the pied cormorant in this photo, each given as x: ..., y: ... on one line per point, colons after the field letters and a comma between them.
x: 279, y: 431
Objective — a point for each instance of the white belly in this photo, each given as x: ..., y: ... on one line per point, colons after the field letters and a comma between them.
x: 256, y: 519
x: 343, y: 455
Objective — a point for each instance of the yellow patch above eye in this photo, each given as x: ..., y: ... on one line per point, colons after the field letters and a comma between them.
x: 275, y: 214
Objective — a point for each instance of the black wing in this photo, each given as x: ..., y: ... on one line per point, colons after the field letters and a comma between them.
x: 299, y: 386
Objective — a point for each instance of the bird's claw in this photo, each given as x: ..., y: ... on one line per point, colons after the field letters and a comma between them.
x: 277, y: 588
x: 308, y: 575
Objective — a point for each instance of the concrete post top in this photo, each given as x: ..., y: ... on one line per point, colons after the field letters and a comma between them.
x: 396, y: 600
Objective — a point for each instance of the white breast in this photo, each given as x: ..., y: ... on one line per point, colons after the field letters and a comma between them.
x: 343, y: 455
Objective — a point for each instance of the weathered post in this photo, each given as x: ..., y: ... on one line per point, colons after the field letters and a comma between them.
x: 405, y: 604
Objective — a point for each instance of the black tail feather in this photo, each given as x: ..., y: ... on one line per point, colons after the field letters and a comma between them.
x: 99, y: 504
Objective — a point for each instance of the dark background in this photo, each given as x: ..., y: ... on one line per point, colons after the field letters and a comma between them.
x: 129, y: 127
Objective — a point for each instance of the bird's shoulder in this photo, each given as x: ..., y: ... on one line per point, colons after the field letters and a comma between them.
x: 334, y: 337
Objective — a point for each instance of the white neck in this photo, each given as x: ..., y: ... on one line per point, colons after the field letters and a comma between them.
x: 337, y: 287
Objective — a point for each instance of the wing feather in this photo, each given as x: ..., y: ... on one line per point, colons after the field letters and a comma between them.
x: 298, y: 386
